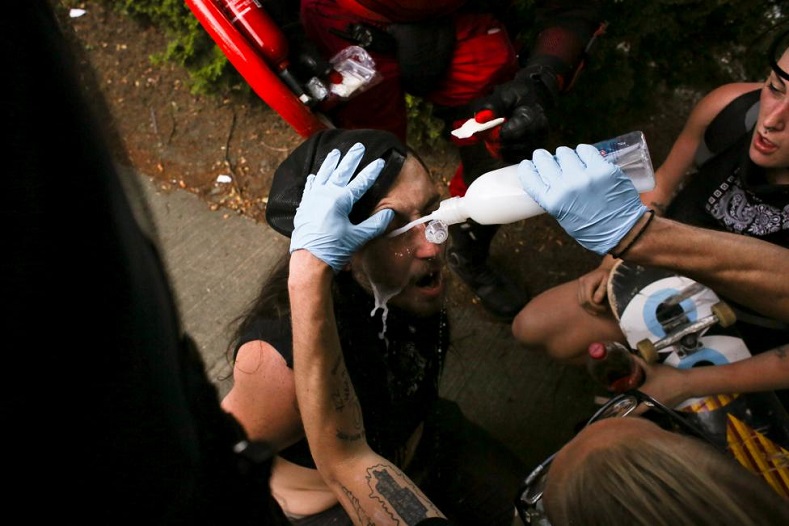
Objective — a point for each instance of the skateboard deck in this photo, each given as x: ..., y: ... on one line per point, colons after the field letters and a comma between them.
x: 675, y: 320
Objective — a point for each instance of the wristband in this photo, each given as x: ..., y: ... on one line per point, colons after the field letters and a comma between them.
x: 637, y: 236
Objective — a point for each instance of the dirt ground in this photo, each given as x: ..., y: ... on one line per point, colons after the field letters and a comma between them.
x: 186, y: 142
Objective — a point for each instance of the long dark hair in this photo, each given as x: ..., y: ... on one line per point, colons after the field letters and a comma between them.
x: 271, y: 302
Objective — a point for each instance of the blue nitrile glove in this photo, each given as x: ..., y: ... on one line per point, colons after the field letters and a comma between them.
x: 321, y: 224
x: 593, y: 200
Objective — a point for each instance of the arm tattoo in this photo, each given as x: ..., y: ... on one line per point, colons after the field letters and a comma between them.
x: 352, y: 436
x: 344, y: 400
x: 396, y: 495
x: 357, y: 508
x: 343, y: 393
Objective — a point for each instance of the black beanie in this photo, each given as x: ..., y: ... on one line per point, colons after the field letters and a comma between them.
x: 291, y: 176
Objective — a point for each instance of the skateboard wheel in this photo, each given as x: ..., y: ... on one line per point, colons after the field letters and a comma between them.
x: 646, y: 350
x: 724, y: 313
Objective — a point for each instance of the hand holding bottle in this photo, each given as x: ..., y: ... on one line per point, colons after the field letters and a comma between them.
x: 591, y: 198
x: 498, y: 197
x: 614, y: 366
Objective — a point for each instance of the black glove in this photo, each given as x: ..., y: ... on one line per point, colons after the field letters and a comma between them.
x: 305, y: 59
x: 368, y: 37
x: 523, y: 101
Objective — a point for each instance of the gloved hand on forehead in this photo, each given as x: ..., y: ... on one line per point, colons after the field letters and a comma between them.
x: 321, y: 224
x: 593, y: 200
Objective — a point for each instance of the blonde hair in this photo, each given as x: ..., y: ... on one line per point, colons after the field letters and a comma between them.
x: 655, y: 482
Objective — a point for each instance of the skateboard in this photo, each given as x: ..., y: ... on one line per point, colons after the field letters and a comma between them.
x: 674, y: 320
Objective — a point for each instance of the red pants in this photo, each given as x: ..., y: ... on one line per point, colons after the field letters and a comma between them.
x: 483, y: 57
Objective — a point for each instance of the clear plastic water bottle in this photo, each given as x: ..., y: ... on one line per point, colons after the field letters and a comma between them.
x: 612, y: 365
x: 631, y: 154
x: 497, y: 197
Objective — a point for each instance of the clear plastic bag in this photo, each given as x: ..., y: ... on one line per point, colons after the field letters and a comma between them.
x: 358, y: 72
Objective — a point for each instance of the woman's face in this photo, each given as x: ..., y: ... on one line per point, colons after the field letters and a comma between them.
x: 407, y: 268
x: 770, y: 142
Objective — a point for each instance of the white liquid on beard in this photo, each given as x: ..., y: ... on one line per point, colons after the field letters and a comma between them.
x: 382, y: 294
x: 382, y: 297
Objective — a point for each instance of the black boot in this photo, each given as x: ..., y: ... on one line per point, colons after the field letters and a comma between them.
x: 467, y: 256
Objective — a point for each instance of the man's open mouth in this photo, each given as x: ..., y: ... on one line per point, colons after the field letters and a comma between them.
x: 432, y: 279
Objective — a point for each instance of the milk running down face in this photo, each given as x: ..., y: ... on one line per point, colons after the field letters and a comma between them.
x: 382, y: 293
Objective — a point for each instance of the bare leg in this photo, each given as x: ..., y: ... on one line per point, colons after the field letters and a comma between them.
x: 555, y: 323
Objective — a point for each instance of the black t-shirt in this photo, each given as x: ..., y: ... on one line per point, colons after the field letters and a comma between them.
x: 396, y: 376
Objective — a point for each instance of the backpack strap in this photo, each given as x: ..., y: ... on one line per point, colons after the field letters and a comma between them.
x: 737, y: 118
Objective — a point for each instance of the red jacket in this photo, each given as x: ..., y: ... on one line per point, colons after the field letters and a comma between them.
x: 402, y: 10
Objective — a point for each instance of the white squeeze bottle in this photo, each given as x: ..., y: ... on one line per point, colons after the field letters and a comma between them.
x: 497, y: 197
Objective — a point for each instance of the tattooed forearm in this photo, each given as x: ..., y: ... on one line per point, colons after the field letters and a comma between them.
x: 354, y: 423
x: 357, y: 508
x: 343, y: 392
x: 346, y: 436
x: 346, y: 404
x: 398, y: 494
x: 397, y: 498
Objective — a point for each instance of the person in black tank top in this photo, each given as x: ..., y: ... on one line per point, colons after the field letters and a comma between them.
x: 727, y: 171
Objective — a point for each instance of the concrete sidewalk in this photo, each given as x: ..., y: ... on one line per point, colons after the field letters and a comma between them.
x: 217, y: 260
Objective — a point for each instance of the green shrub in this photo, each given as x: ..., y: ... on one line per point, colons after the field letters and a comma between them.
x: 189, y: 45
x: 656, y: 49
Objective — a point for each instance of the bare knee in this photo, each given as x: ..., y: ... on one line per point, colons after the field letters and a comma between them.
x: 540, y: 326
x: 555, y: 323
x: 529, y: 328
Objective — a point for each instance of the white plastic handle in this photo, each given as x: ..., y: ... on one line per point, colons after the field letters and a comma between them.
x: 471, y: 126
